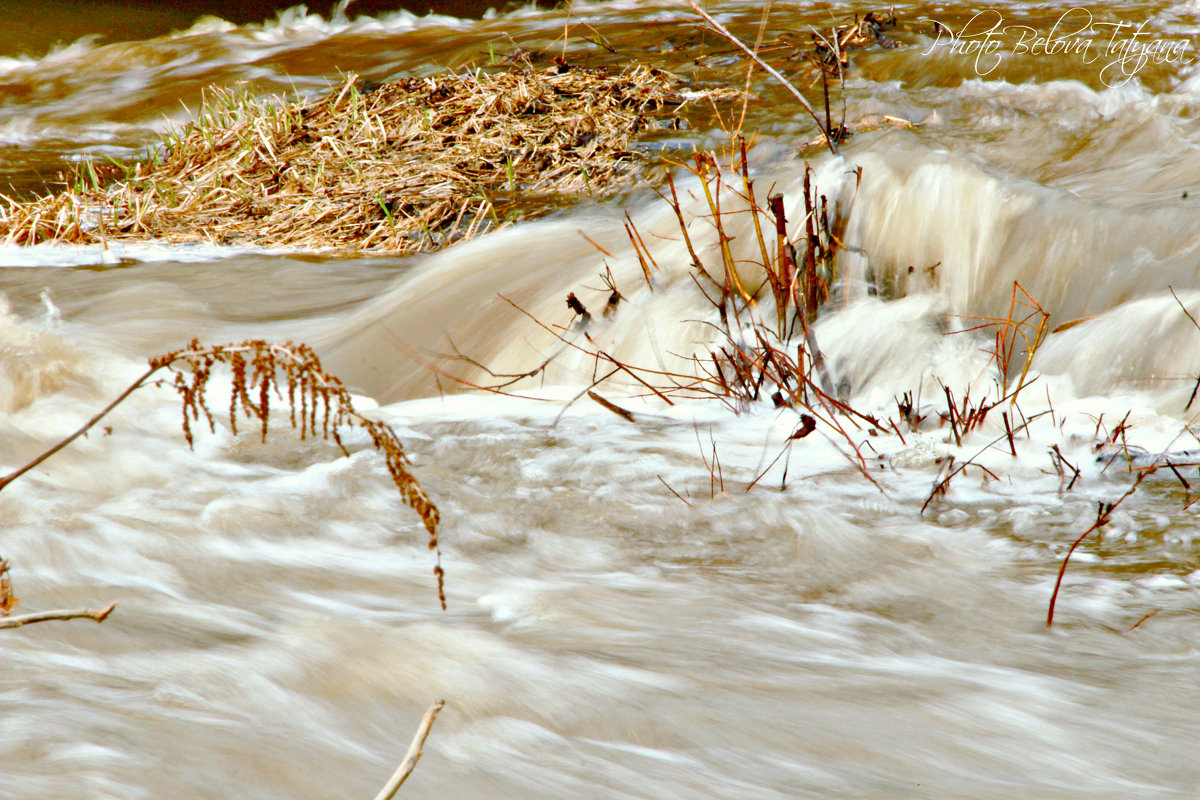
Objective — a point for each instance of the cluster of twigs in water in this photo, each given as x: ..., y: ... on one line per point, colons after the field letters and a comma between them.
x: 829, y: 50
x: 1017, y: 336
x: 318, y: 405
x: 769, y: 351
x: 397, y: 167
x: 767, y: 354
x: 823, y: 56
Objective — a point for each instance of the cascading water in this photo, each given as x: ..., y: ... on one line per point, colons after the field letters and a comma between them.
x: 626, y: 618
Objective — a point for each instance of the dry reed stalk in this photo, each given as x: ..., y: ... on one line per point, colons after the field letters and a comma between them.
x: 1030, y: 330
x: 397, y: 167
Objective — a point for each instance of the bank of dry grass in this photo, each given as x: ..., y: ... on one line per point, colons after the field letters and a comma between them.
x: 397, y: 167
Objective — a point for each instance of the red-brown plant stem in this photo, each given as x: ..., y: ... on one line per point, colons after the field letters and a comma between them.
x: 1103, y: 517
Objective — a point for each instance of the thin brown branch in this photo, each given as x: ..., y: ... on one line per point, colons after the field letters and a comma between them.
x: 672, y: 491
x: 1143, y: 619
x: 613, y: 407
x: 601, y: 354
x: 1103, y: 516
x: 943, y: 483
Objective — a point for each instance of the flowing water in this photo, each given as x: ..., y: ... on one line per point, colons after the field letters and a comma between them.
x: 622, y: 621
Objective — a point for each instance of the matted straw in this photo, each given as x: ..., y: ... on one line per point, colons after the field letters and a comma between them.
x: 397, y: 167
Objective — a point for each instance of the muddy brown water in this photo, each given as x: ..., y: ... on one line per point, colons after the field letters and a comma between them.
x: 278, y: 633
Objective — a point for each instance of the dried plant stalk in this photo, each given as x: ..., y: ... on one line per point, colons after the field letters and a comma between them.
x: 8, y: 601
x: 318, y: 405
x: 1030, y: 330
x: 94, y: 614
x: 413, y: 755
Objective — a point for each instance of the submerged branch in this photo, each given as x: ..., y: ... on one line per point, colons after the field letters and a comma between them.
x: 1103, y: 517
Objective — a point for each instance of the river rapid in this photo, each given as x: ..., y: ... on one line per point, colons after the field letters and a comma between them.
x: 624, y: 619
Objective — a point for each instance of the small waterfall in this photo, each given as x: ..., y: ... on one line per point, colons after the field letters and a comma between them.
x: 921, y: 224
x: 485, y: 299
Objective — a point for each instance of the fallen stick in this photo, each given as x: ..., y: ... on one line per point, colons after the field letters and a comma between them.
x: 99, y: 615
x: 413, y: 755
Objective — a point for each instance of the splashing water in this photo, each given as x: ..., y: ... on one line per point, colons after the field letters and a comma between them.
x: 625, y: 618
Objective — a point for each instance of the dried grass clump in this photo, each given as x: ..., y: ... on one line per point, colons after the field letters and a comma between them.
x: 397, y: 167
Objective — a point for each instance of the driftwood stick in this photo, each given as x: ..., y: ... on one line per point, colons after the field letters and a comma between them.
x: 99, y: 615
x: 413, y: 755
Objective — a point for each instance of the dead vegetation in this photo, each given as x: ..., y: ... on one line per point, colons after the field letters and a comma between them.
x: 8, y: 600
x: 396, y: 167
x: 94, y: 614
x: 767, y: 351
x: 421, y: 163
x: 828, y: 50
x: 765, y: 305
x: 318, y: 404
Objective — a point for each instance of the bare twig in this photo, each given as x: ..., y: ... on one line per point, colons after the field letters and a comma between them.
x: 413, y: 755
x: 1103, y: 517
x: 624, y: 414
x: 1143, y: 619
x: 672, y: 491
x: 99, y: 615
x: 1196, y: 387
x: 940, y: 486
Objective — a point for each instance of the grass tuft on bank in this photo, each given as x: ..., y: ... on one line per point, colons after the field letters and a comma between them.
x: 394, y: 167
